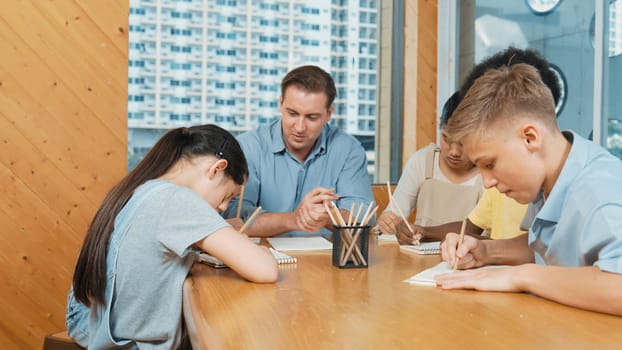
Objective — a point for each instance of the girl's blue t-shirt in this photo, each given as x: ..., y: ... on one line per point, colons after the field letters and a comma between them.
x: 150, y: 255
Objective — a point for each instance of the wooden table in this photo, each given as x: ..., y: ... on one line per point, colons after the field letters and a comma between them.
x: 317, y: 306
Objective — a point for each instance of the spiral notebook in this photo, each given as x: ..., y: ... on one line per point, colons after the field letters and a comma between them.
x: 424, y: 248
x: 280, y: 257
x: 283, y: 258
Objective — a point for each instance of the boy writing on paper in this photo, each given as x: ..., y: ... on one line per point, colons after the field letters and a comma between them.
x: 507, y: 125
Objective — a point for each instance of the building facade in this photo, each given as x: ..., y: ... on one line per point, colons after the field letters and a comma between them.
x: 221, y: 62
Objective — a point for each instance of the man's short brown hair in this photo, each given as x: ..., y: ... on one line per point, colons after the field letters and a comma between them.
x: 500, y: 95
x: 310, y: 79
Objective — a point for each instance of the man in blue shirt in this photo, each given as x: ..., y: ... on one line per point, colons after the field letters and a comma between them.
x: 300, y: 161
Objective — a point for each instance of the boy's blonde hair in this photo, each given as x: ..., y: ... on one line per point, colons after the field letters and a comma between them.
x: 501, y: 96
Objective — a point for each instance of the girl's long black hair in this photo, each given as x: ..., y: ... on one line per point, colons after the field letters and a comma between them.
x: 89, y: 278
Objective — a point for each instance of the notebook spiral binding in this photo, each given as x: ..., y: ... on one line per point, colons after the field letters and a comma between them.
x: 280, y: 257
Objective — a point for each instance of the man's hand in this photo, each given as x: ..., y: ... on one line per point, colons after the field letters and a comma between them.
x: 387, y: 222
x: 311, y: 214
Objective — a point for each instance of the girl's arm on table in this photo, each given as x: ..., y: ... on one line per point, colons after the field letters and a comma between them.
x: 253, y: 262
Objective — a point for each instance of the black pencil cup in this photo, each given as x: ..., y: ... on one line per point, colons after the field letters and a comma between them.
x: 350, y: 246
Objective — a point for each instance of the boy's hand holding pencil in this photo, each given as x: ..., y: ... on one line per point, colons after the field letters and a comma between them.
x: 469, y: 254
x: 454, y: 265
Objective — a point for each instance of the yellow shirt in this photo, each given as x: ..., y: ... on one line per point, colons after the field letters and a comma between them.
x: 498, y: 213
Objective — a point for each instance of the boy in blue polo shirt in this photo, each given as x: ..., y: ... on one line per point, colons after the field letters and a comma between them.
x: 507, y: 125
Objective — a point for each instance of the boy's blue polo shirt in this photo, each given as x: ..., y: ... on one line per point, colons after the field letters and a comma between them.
x: 580, y: 223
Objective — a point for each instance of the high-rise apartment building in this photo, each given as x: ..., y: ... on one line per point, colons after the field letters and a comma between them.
x: 221, y: 62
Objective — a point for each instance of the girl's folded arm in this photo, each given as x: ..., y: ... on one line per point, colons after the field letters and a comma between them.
x: 253, y: 262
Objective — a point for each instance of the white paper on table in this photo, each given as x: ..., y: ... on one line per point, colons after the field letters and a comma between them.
x: 426, y: 277
x: 300, y: 243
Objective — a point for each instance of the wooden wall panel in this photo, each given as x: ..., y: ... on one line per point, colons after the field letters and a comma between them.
x: 411, y: 80
x: 63, y: 144
x: 420, y: 70
x: 427, y: 28
x: 63, y: 140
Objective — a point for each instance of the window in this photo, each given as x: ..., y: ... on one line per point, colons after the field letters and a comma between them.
x: 310, y: 26
x: 184, y: 15
x: 221, y: 35
x: 137, y: 29
x: 273, y: 7
x: 136, y: 63
x: 272, y: 55
x: 136, y: 81
x: 268, y: 39
x: 222, y: 85
x: 223, y: 52
x: 213, y: 76
x: 137, y: 11
x: 310, y: 10
x: 184, y: 49
x: 496, y: 25
x: 611, y: 120
x: 137, y: 116
x: 309, y: 42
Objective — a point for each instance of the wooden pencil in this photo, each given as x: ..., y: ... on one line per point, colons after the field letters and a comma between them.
x: 393, y: 203
x: 355, y: 239
x: 250, y: 219
x: 330, y: 215
x: 460, y: 240
x: 351, y: 215
x: 346, y: 236
x: 240, y: 201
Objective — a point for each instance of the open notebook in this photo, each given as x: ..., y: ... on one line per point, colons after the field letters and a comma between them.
x: 280, y: 257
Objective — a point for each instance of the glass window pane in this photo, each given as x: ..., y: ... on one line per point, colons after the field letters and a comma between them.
x: 560, y: 31
x: 222, y: 63
x: 613, y: 69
